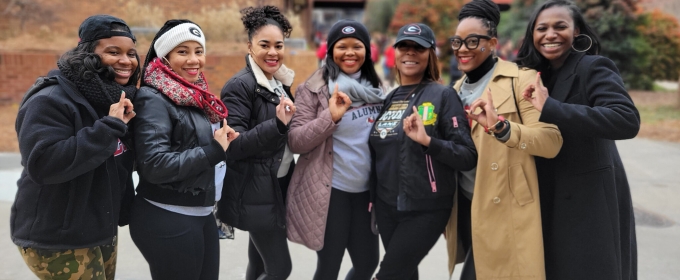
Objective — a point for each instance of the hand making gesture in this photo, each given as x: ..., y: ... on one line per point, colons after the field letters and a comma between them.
x: 338, y: 104
x: 488, y: 114
x: 285, y: 110
x: 414, y: 129
x: 225, y: 135
x: 536, y: 93
x: 123, y: 110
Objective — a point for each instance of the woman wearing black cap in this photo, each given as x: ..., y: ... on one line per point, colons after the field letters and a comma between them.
x: 328, y: 201
x: 499, y: 215
x: 419, y: 141
x: 587, y: 212
x: 180, y: 157
x: 260, y: 162
x: 74, y: 142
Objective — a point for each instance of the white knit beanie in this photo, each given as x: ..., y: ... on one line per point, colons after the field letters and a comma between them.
x: 177, y: 35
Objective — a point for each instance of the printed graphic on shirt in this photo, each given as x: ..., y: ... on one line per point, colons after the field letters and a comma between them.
x: 390, y: 119
x: 426, y: 112
x: 120, y: 149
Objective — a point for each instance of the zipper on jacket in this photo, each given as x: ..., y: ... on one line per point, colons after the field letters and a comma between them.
x: 430, y: 173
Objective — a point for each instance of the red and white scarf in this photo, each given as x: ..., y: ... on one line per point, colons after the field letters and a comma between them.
x: 184, y: 93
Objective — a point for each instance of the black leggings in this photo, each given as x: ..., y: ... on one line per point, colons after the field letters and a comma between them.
x: 407, y: 237
x: 348, y: 226
x: 268, y: 256
x: 176, y: 246
x: 465, y: 233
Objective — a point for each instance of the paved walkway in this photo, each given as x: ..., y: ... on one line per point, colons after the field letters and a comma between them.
x: 652, y: 168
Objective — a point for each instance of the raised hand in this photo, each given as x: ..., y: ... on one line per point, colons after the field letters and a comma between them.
x: 488, y: 114
x: 285, y: 110
x: 123, y: 110
x: 338, y: 104
x: 414, y: 128
x: 225, y: 135
x: 536, y: 93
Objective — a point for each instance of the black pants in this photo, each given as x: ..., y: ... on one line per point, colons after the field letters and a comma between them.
x: 268, y: 256
x: 176, y: 246
x: 407, y: 237
x: 348, y: 226
x: 465, y: 233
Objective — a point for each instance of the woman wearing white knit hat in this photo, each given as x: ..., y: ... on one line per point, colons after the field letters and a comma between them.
x: 180, y: 147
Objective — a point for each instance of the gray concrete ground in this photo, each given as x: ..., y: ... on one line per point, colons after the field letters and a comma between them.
x: 653, y: 173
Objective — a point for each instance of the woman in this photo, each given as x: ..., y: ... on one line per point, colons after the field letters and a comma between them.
x: 588, y: 221
x: 499, y: 219
x: 420, y: 141
x: 74, y: 143
x: 260, y: 163
x: 180, y: 157
x: 329, y: 197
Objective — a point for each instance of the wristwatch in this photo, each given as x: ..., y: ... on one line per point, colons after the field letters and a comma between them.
x: 498, y: 126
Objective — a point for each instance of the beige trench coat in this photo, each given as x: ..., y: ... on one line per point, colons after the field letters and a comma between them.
x: 506, y: 215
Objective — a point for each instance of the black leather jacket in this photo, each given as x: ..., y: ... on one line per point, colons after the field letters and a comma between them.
x: 176, y: 151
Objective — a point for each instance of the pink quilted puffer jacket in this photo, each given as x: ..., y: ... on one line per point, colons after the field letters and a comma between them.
x: 310, y: 135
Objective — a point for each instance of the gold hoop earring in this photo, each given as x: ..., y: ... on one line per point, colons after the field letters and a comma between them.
x: 577, y: 37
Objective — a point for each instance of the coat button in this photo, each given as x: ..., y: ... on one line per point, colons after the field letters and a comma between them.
x: 494, y: 166
x: 273, y: 100
x: 327, y: 185
x: 330, y: 153
x: 523, y: 146
x: 257, y: 89
x: 279, y: 159
x: 496, y: 200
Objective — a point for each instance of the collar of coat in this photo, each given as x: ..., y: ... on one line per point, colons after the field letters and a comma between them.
x: 315, y: 82
x: 284, y: 74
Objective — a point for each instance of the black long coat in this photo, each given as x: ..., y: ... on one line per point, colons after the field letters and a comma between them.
x: 586, y: 207
x: 253, y: 199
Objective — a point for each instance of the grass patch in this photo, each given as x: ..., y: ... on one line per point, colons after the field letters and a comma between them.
x: 655, y: 114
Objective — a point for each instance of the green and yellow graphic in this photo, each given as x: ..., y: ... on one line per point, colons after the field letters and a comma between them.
x: 426, y: 112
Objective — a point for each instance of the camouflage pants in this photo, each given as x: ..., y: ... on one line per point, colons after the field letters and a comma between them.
x: 98, y: 263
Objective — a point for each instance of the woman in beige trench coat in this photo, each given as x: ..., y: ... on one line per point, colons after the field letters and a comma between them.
x: 504, y: 219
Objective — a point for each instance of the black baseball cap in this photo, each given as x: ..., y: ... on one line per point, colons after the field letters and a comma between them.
x: 99, y: 27
x: 416, y: 32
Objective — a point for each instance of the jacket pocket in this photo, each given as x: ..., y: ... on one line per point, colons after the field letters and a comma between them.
x: 519, y: 185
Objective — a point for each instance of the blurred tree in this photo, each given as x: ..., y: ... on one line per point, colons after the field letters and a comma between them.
x: 514, y: 22
x: 379, y: 13
x: 662, y: 32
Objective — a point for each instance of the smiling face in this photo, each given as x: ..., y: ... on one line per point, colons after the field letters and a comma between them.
x: 267, y: 49
x: 469, y: 60
x: 187, y: 60
x: 554, y: 33
x: 120, y: 53
x: 349, y: 54
x: 411, y: 60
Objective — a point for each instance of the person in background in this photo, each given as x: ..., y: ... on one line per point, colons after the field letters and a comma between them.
x: 388, y: 66
x: 328, y: 199
x: 499, y: 218
x: 75, y: 143
x: 260, y: 163
x: 180, y: 157
x: 586, y: 206
x: 419, y: 142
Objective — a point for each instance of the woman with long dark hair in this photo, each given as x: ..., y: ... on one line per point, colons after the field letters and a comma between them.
x: 181, y: 139
x: 420, y: 141
x: 76, y: 186
x: 328, y: 201
x: 588, y: 219
x: 260, y: 163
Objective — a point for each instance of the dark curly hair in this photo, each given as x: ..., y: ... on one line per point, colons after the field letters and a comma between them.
x: 83, y: 55
x: 255, y: 18
x: 528, y: 55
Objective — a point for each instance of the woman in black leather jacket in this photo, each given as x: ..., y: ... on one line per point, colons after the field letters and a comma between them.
x: 180, y: 158
x: 260, y: 163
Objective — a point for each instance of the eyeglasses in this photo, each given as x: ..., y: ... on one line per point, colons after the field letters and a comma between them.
x: 404, y: 46
x: 471, y: 42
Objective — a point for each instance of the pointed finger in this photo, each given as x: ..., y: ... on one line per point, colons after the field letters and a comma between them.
x: 490, y: 98
x: 336, y: 89
x: 122, y: 96
x: 538, y: 78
